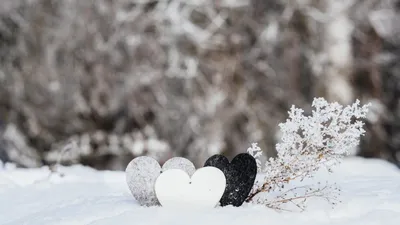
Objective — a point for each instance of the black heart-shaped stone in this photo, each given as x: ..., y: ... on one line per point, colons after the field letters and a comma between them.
x: 240, y: 175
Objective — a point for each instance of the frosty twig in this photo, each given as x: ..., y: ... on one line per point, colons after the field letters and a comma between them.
x: 309, y: 143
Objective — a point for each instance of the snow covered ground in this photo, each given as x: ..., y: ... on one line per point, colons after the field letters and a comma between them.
x: 370, y: 195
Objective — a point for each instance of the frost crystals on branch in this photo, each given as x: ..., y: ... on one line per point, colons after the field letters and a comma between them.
x: 308, y: 143
x: 256, y: 152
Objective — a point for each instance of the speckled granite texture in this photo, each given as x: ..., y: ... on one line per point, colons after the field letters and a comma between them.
x: 142, y: 173
x: 240, y: 175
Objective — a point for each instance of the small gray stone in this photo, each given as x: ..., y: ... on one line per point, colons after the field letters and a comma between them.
x: 142, y: 173
x: 179, y: 163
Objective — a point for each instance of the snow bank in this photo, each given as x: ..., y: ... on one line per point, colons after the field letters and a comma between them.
x: 370, y: 195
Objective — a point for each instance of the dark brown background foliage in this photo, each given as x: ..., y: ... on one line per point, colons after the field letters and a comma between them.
x: 100, y: 81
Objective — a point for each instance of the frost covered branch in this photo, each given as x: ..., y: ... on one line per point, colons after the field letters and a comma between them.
x: 309, y: 143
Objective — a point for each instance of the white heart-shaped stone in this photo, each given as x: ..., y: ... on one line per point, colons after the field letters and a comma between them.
x: 175, y: 188
x: 142, y: 173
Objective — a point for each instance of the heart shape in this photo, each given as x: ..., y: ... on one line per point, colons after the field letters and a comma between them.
x: 176, y: 189
x: 240, y: 175
x: 142, y: 173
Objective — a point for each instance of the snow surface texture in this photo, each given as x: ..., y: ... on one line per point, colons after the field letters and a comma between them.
x: 83, y: 196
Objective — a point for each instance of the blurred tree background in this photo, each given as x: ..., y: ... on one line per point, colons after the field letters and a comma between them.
x: 98, y: 82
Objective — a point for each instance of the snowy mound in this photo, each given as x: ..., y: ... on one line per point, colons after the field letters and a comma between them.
x: 370, y: 195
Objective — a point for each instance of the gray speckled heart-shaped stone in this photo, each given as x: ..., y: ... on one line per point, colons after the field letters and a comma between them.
x: 179, y: 163
x: 142, y: 173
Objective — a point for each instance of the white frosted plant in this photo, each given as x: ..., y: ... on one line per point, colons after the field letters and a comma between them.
x: 256, y: 152
x: 308, y: 143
